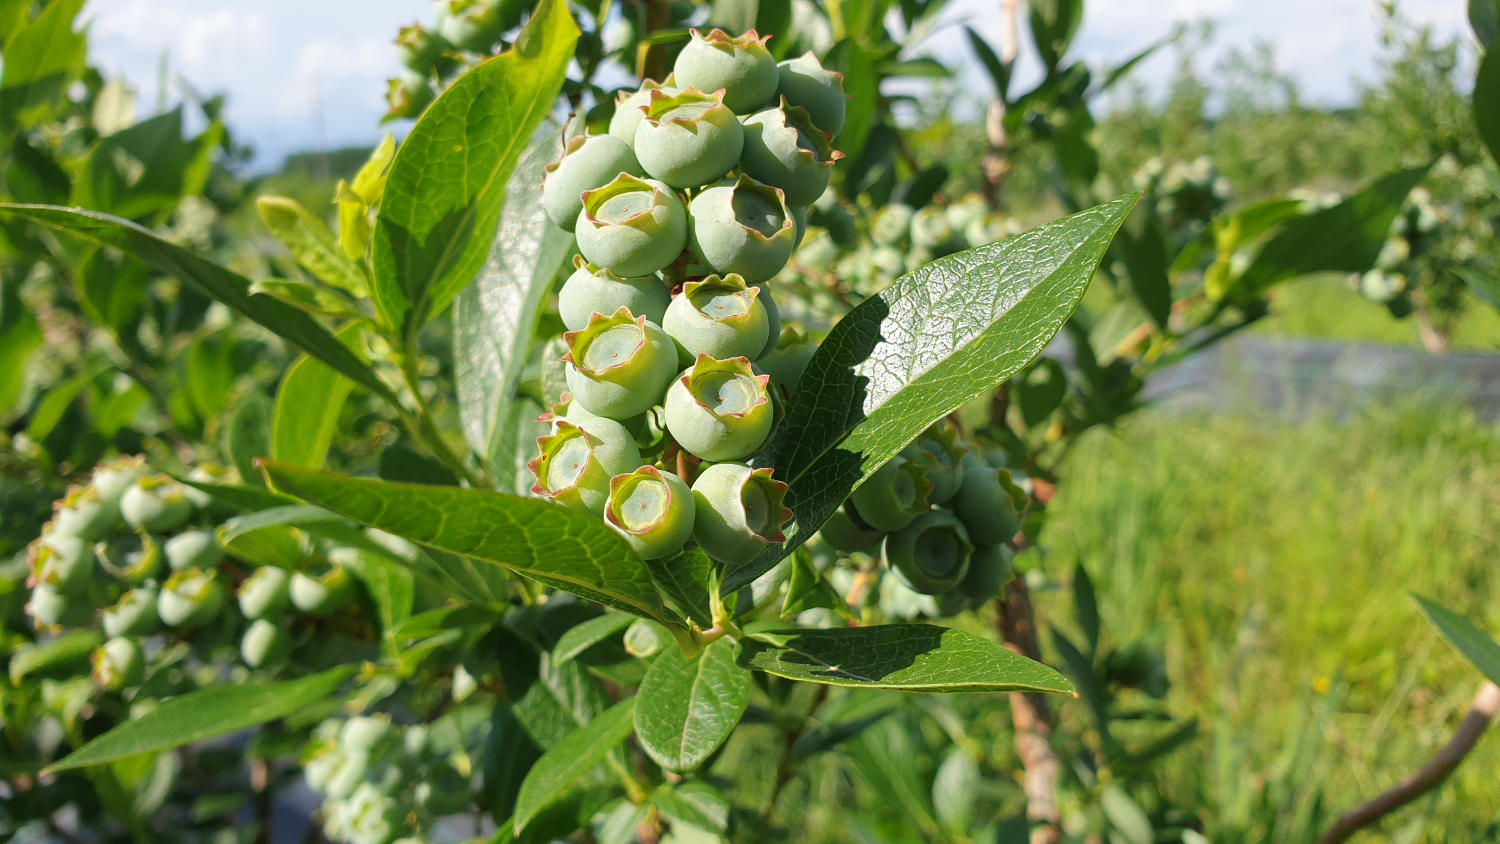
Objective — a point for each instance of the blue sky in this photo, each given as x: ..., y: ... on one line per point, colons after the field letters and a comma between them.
x: 304, y: 74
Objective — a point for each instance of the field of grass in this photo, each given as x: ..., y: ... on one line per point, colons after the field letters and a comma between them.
x: 1323, y: 307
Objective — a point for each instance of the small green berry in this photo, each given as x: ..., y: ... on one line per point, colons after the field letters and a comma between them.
x: 804, y: 82
x: 578, y: 459
x: 719, y: 409
x: 619, y: 365
x: 190, y: 598
x: 741, y: 66
x: 467, y: 24
x: 785, y: 150
x: 720, y: 316
x: 631, y: 226
x: 133, y: 615
x: 738, y: 511
x: 194, y: 549
x: 323, y: 590
x: 112, y: 477
x: 689, y: 138
x: 85, y: 514
x: 985, y: 504
x: 420, y: 48
x: 155, y: 503
x: 989, y: 569
x: 406, y: 95
x: 630, y: 108
x: 652, y: 509
x: 118, y: 664
x: 63, y: 561
x: 266, y: 593
x: 891, y: 225
x: 939, y: 451
x: 931, y: 555
x: 786, y: 362
x: 594, y: 290
x: 135, y: 559
x: 742, y: 227
x: 931, y: 230
x: 773, y: 319
x: 588, y: 162
x: 846, y: 531
x: 265, y: 644
x: 895, y: 495
x: 51, y: 608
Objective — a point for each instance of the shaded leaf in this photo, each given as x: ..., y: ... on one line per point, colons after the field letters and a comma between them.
x: 308, y: 404
x: 1465, y: 637
x: 687, y: 580
x: 563, y: 763
x: 581, y: 637
x: 1486, y: 97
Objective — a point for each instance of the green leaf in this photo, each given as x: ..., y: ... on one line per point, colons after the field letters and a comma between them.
x: 688, y: 706
x: 42, y: 58
x: 369, y: 182
x: 806, y: 589
x: 953, y: 789
x: 695, y: 803
x: 1344, y: 238
x: 311, y: 243
x: 581, y: 637
x: 70, y: 650
x: 143, y: 171
x: 494, y: 319
x: 308, y: 404
x: 571, y: 758
x: 558, y: 546
x: 1465, y: 637
x: 998, y: 70
x: 19, y: 337
x: 687, y: 580
x: 306, y: 297
x: 1142, y: 247
x: 920, y: 348
x: 907, y: 657
x: 442, y: 200
x: 1087, y: 606
x: 1486, y: 95
x: 1484, y: 17
x: 1128, y: 821
x: 247, y: 437
x: 290, y: 324
x: 391, y: 586
x: 205, y: 713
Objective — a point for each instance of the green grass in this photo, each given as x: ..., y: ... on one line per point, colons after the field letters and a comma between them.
x: 1323, y: 307
x: 1276, y: 561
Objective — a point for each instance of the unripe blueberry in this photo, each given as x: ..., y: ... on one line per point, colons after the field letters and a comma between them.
x: 773, y: 319
x: 804, y: 82
x: 632, y: 227
x: 966, y: 210
x: 189, y: 599
x: 619, y: 365
x: 938, y: 450
x: 629, y: 107
x: 206, y: 473
x: 51, y: 608
x: 323, y: 590
x: 136, y: 559
x: 133, y: 615
x: 467, y: 24
x: 194, y: 549
x: 688, y: 139
x: 846, y: 531
x: 652, y: 509
x: 719, y: 409
x: 740, y: 65
x: 83, y: 513
x: 420, y: 48
x: 365, y: 733
x: 594, y: 290
x: 799, y: 225
x: 155, y: 503
x: 720, y: 316
x: 891, y: 225
x: 265, y: 644
x: 639, y: 426
x: 985, y: 504
x: 786, y: 362
x: 349, y: 770
x: 930, y: 229
x: 112, y: 477
x: 893, y: 496
x: 62, y: 561
x: 118, y: 664
x: 989, y: 228
x: 897, y: 600
x: 887, y: 262
x: 738, y: 511
x: 931, y: 555
x: 785, y: 150
x: 265, y: 593
x: 588, y: 162
x: 578, y: 459
x: 989, y: 569
x: 742, y: 227
x: 406, y: 95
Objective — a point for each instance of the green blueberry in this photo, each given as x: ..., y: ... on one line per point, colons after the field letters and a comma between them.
x: 64, y: 562
x: 135, y: 559
x: 112, y: 477
x: 740, y: 66
x: 939, y: 451
x: 896, y: 494
x: 588, y: 162
x: 133, y: 615
x: 155, y: 503
x: 984, y: 502
x: 118, y: 664
x: 773, y: 319
x: 846, y: 531
x: 639, y: 426
x: 787, y: 360
x: 467, y: 24
x: 804, y: 82
x: 406, y: 95
x: 324, y: 589
x: 194, y: 549
x: 931, y: 555
x: 190, y: 598
x: 784, y: 149
x: 265, y: 644
x: 631, y: 226
x: 891, y: 225
x: 365, y: 733
x: 689, y: 138
x: 578, y: 459
x: 989, y: 228
x: 265, y: 593
x: 738, y: 510
x: 51, y: 608
x: 206, y: 473
x: 719, y: 316
x: 965, y: 210
x: 420, y: 48
x: 742, y: 227
x: 719, y: 409
x: 887, y: 262
x: 652, y: 509
x: 593, y: 290
x: 897, y: 600
x: 1381, y: 286
x: 84, y: 513
x: 630, y: 108
x: 619, y: 365
x: 989, y: 569
x: 930, y: 229
x: 374, y: 816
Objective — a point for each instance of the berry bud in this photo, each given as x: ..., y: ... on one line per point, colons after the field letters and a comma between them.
x: 578, y: 459
x: 155, y: 503
x: 741, y: 66
x: 323, y: 590
x: 938, y: 450
x: 190, y: 598
x: 133, y: 615
x: 629, y: 107
x: 135, y: 559
x: 265, y: 644
x: 846, y: 531
x: 719, y: 316
x: 719, y: 409
x: 467, y: 24
x: 618, y: 365
x: 631, y: 226
x: 688, y: 139
x: 652, y: 509
x: 738, y: 510
x: 588, y: 162
x: 897, y: 493
x: 593, y: 290
x: 51, y: 608
x: 118, y: 664
x: 83, y: 513
x: 63, y: 561
x: 804, y: 82
x: 985, y: 504
x: 112, y: 477
x: 931, y: 555
x: 742, y: 227
x: 194, y: 549
x: 785, y: 150
x: 265, y: 593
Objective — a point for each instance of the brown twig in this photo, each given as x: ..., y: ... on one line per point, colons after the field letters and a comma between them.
x: 1481, y: 712
x: 996, y: 162
x: 1030, y: 716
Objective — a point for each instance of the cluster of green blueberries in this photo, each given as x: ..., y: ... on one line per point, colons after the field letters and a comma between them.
x: 1389, y: 282
x: 692, y: 201
x: 134, y: 553
x: 458, y: 28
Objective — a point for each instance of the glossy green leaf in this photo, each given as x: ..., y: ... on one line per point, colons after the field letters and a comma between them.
x: 311, y: 243
x: 494, y: 319
x: 563, y: 548
x: 581, y: 637
x: 920, y: 348
x: 287, y: 322
x: 42, y: 57
x: 208, y: 712
x: 306, y: 297
x: 907, y: 657
x: 806, y: 589
x: 571, y: 758
x: 70, y: 650
x: 1142, y: 247
x: 954, y: 789
x: 695, y: 803
x: 687, y: 580
x: 443, y: 196
x: 1465, y: 637
x: 687, y: 706
x: 308, y: 404
x: 1487, y: 102
x: 19, y: 337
